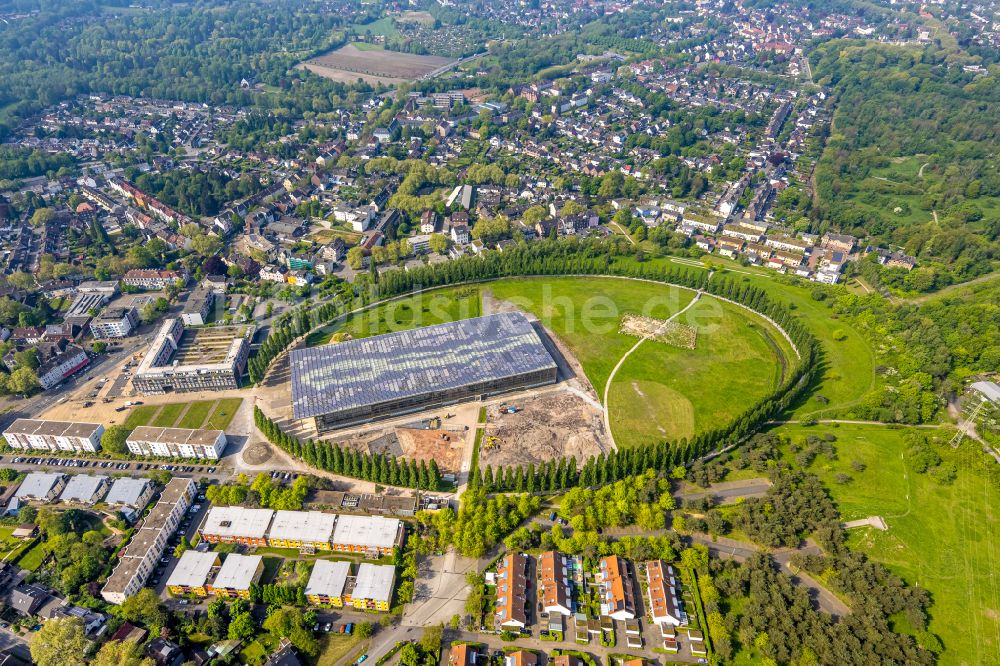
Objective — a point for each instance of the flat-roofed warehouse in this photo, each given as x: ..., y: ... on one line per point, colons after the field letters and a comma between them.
x: 363, y: 380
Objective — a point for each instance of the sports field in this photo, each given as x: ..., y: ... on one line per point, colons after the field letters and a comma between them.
x: 943, y: 537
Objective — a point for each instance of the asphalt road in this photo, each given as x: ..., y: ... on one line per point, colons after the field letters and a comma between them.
x: 825, y: 600
x: 38, y: 404
x: 729, y: 491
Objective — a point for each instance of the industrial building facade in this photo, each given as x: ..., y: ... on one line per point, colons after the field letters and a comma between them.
x: 176, y: 442
x: 211, y: 359
x: 363, y: 380
x: 54, y: 435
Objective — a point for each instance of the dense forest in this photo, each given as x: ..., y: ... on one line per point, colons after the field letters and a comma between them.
x: 197, y: 52
x: 195, y: 192
x: 17, y: 163
x: 911, y: 159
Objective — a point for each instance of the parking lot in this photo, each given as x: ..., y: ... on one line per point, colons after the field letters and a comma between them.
x: 32, y: 463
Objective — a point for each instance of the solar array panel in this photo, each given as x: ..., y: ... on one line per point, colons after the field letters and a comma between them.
x: 408, y: 364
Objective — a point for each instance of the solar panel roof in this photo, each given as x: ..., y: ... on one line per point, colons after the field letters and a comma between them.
x: 411, y: 363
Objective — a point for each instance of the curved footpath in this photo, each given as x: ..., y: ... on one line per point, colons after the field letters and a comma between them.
x: 621, y: 361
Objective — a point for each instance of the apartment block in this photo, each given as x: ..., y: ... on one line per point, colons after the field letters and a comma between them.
x: 114, y: 323
x: 554, y: 583
x: 192, y: 573
x: 54, y: 435
x: 140, y: 556
x: 661, y: 585
x: 237, y: 574
x: 327, y: 583
x: 177, y: 442
x: 512, y: 584
x: 615, y: 587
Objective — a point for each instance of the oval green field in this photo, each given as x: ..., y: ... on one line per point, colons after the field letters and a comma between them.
x: 663, y: 392
x: 660, y: 392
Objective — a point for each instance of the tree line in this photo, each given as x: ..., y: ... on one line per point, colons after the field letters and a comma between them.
x: 562, y: 258
x: 329, y: 456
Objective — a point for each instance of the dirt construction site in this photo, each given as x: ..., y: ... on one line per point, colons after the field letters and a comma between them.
x: 542, y: 427
x: 426, y: 441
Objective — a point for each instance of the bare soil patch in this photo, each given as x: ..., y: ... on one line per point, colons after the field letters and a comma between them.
x: 441, y: 445
x: 377, y: 63
x: 545, y: 426
x: 257, y: 453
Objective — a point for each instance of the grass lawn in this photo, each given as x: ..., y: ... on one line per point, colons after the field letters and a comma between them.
x: 586, y: 312
x: 335, y: 647
x: 8, y: 544
x: 256, y: 651
x: 32, y: 558
x: 383, y: 26
x: 664, y: 392
x: 140, y: 416
x: 271, y: 567
x: 225, y: 410
x: 941, y: 537
x: 848, y: 370
x: 195, y: 415
x: 168, y: 414
x: 437, y: 307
